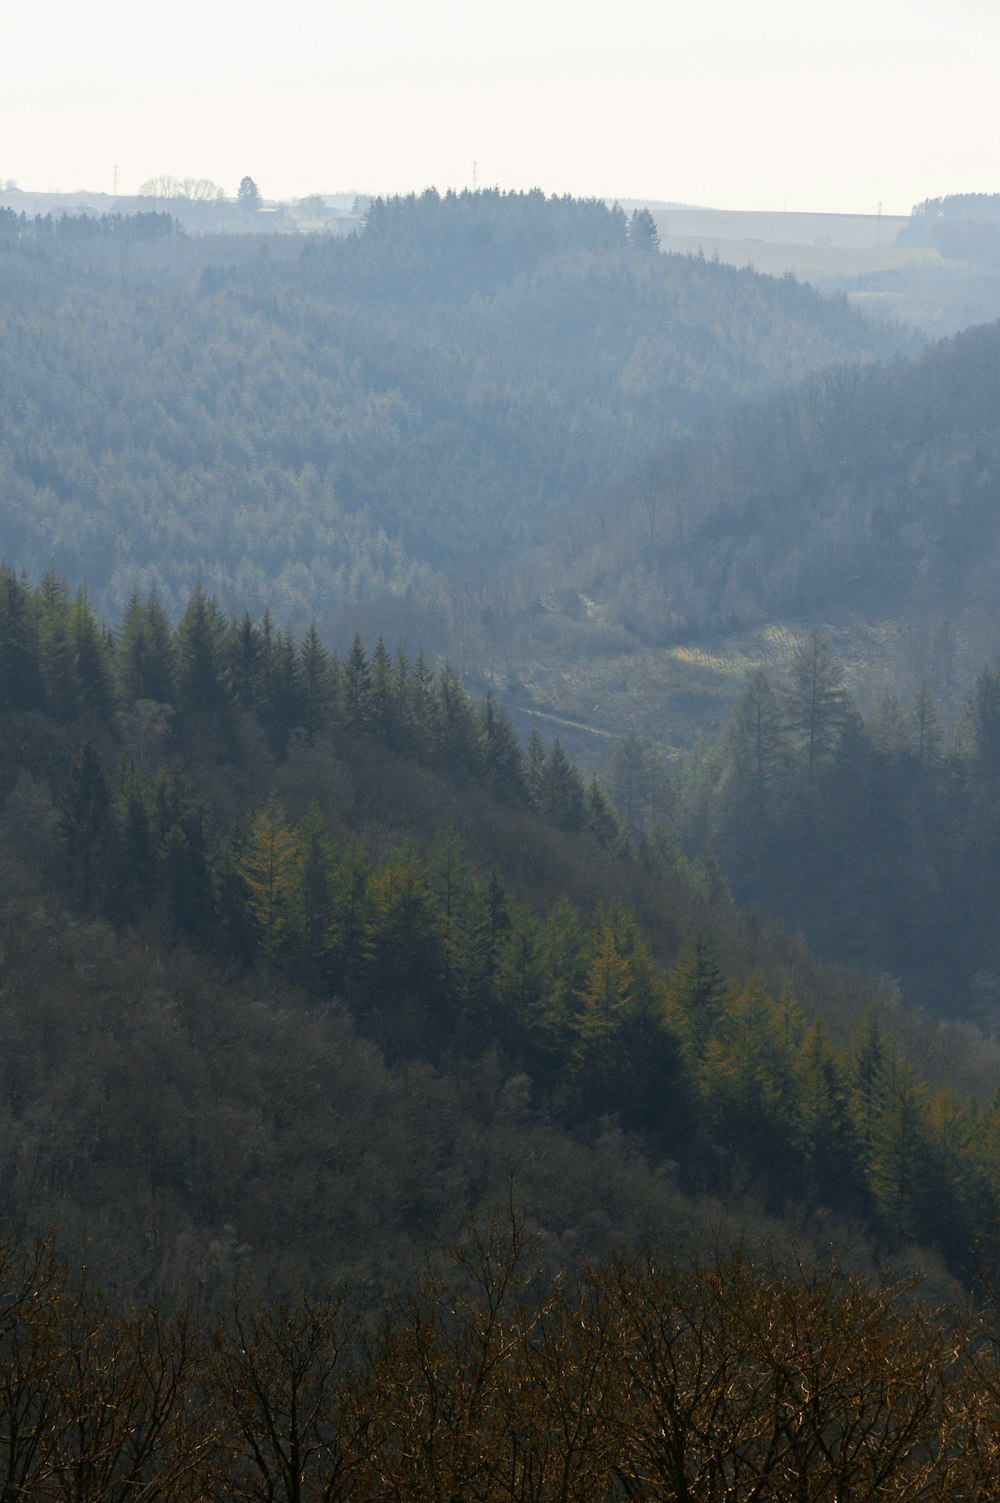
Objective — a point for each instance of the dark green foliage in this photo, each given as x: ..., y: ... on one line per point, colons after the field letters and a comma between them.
x: 865, y: 492
x: 613, y: 990
x: 202, y: 680
x: 876, y: 839
x: 146, y: 653
x: 21, y: 685
x: 87, y: 827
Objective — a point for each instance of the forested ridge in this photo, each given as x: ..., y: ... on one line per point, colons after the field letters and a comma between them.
x: 309, y: 426
x: 298, y: 881
x: 875, y: 833
x: 308, y: 962
x: 865, y: 493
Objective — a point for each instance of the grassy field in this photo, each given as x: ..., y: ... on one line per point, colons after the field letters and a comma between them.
x: 809, y: 245
x: 775, y: 257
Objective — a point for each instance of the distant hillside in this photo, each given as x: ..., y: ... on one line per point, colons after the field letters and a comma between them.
x: 866, y: 496
x: 331, y: 423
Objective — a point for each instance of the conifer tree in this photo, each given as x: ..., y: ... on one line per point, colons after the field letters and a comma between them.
x: 21, y: 684
x: 90, y: 651
x: 382, y: 699
x: 814, y: 701
x: 605, y: 995
x: 696, y: 993
x: 270, y: 867
x: 317, y: 683
x: 203, y: 681
x: 824, y: 1133
x: 87, y: 827
x: 357, y: 687
x: 898, y: 1164
x: 503, y: 760
x: 145, y: 653
x: 313, y: 902
x: 57, y: 651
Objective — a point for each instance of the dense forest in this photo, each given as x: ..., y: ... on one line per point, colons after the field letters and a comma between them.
x: 309, y: 961
x: 249, y: 884
x: 307, y: 425
x: 875, y: 834
x: 865, y: 494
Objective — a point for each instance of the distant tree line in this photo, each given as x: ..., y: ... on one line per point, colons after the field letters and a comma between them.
x: 177, y: 408
x: 877, y: 834
x: 73, y: 228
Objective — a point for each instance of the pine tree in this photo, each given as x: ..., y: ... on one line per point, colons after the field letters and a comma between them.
x: 696, y: 994
x: 406, y: 936
x: 870, y: 1063
x: 899, y: 1160
x: 461, y: 738
x: 145, y: 653
x: 270, y: 866
x: 87, y: 827
x: 422, y: 710
x: 599, y: 817
x: 824, y: 1132
x: 91, y: 657
x: 606, y: 992
x: 203, y: 682
x: 503, y: 760
x: 756, y: 742
x: 561, y: 799
x: 317, y: 683
x: 21, y: 683
x: 57, y: 652
x: 814, y: 701
x: 357, y: 687
x: 383, y: 704
x: 313, y: 901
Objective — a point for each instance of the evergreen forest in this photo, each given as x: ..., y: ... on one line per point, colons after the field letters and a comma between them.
x: 425, y: 1075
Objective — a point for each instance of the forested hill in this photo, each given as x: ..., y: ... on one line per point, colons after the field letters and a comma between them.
x: 867, y: 493
x: 301, y: 958
x: 302, y: 425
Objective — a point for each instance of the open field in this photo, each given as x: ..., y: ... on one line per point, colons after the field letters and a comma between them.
x: 775, y: 257
x: 670, y: 696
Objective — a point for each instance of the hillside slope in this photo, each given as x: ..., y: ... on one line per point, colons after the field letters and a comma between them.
x: 313, y: 426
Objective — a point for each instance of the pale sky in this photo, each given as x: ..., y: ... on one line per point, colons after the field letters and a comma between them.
x: 773, y: 104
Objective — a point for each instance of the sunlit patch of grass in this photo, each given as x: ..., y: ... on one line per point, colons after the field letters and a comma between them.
x: 730, y: 663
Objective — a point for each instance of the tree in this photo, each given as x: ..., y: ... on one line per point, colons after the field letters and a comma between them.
x: 87, y: 826
x: 270, y: 869
x: 814, y: 700
x: 314, y: 204
x: 21, y: 686
x: 248, y: 197
x: 280, y: 1377
x: 696, y: 993
x: 756, y: 742
x: 642, y: 232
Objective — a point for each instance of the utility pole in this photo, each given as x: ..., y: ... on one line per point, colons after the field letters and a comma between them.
x: 475, y: 167
x: 115, y: 188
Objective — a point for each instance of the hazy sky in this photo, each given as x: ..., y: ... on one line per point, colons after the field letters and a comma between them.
x: 779, y: 103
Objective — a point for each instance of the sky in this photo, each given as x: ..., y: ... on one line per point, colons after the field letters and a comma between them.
x: 780, y: 104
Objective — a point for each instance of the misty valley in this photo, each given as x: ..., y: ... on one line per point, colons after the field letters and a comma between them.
x: 499, y: 857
